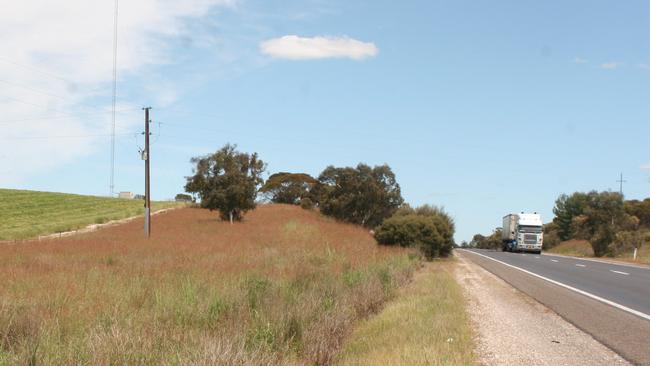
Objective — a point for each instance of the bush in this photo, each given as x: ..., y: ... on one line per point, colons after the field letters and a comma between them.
x: 551, y: 235
x: 429, y: 229
x: 306, y: 203
x: 627, y: 241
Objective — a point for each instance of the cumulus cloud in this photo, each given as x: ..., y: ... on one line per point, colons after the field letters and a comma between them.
x: 293, y: 47
x: 645, y: 166
x: 610, y: 65
x: 579, y: 60
x: 57, y: 61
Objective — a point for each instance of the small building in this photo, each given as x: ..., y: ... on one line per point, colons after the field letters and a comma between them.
x: 127, y: 195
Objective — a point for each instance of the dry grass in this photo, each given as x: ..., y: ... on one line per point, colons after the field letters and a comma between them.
x: 426, y: 325
x: 575, y: 248
x: 643, y: 255
x: 582, y: 248
x: 283, y: 287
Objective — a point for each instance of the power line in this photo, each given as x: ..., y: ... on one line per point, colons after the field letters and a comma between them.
x: 112, y: 182
x: 58, y: 77
x: 66, y: 116
x: 43, y: 92
x: 58, y: 136
x: 32, y: 68
x: 62, y: 114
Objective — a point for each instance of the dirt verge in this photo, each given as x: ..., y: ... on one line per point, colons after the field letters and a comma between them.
x: 514, y: 329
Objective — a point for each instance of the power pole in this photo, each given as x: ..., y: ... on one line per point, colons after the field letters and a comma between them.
x: 621, y: 181
x: 147, y: 181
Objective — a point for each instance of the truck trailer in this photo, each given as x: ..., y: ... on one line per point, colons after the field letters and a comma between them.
x: 522, y: 232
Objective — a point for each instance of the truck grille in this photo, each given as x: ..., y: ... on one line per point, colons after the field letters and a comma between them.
x: 530, y: 238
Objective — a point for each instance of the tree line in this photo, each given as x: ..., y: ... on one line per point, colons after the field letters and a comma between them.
x: 230, y: 182
x: 611, y: 224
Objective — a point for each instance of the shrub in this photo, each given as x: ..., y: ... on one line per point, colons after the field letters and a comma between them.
x: 627, y: 241
x: 429, y: 229
x: 306, y: 203
x: 551, y: 235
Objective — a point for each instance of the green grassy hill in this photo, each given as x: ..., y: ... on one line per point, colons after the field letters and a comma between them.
x: 28, y: 214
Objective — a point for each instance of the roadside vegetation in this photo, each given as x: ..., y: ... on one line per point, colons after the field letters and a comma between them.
x: 591, y: 224
x: 229, y: 181
x: 427, y: 228
x: 612, y: 226
x: 270, y: 284
x: 492, y: 241
x: 582, y: 248
x: 286, y: 285
x: 28, y: 214
x: 426, y: 325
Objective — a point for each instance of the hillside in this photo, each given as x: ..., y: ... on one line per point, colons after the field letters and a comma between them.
x: 28, y: 214
x: 286, y: 286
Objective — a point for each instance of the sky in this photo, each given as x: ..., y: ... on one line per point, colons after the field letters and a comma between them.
x: 482, y: 107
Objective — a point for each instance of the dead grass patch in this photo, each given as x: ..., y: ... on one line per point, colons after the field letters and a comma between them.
x: 283, y: 287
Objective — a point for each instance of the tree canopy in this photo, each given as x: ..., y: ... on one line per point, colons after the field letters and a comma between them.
x: 565, y: 210
x: 361, y: 195
x: 227, y: 181
x: 492, y: 241
x: 427, y: 227
x: 640, y: 209
x: 602, y: 217
x: 290, y: 188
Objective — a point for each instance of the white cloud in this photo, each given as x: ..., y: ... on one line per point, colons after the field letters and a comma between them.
x: 579, y: 60
x: 644, y: 66
x: 293, y: 47
x: 610, y: 65
x: 57, y: 59
x: 645, y: 166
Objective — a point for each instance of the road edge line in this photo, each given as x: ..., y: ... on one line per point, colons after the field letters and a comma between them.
x: 584, y: 293
x: 614, y: 262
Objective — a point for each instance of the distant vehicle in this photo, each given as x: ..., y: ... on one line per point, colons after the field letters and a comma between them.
x: 522, y: 232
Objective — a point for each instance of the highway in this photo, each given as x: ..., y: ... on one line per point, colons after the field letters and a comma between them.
x: 609, y: 301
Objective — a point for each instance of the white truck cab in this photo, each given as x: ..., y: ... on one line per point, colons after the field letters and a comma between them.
x: 523, y: 232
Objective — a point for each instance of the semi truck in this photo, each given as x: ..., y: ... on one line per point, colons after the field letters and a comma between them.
x: 522, y: 232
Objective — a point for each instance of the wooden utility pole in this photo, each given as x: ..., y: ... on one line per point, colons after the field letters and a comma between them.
x: 147, y: 180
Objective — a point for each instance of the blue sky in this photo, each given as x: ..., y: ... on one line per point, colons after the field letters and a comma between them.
x: 483, y: 107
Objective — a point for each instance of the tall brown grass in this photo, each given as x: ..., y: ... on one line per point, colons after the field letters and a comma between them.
x: 284, y: 287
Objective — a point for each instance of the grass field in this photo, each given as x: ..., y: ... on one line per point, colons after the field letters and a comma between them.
x: 426, y: 325
x: 28, y: 214
x: 286, y: 286
x: 582, y: 248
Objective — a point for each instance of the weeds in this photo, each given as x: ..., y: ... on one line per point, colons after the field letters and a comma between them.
x: 200, y: 292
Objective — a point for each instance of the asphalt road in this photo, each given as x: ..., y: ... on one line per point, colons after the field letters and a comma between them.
x: 609, y: 301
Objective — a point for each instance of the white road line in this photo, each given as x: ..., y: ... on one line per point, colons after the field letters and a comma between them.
x: 553, y: 260
x: 585, y: 293
x: 619, y: 272
x: 580, y: 265
x: 537, y: 257
x: 615, y: 263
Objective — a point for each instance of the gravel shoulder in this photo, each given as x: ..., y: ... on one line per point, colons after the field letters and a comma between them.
x: 514, y: 329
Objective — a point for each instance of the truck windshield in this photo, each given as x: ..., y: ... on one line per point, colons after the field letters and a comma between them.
x: 530, y: 229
